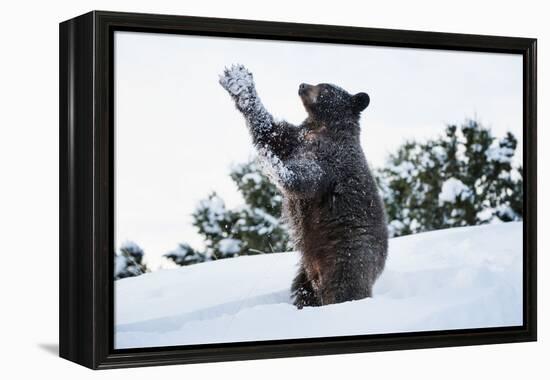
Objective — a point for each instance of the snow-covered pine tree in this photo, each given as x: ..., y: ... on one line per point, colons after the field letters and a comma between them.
x: 253, y: 228
x: 259, y: 224
x: 465, y: 177
x: 129, y: 261
x: 184, y: 254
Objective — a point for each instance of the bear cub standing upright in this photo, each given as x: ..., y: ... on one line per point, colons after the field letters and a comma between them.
x: 330, y: 198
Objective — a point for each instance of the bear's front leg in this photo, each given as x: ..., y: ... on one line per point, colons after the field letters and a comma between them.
x: 277, y: 138
x: 239, y: 83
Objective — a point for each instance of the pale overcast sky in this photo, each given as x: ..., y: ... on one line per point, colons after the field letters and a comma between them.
x: 178, y: 132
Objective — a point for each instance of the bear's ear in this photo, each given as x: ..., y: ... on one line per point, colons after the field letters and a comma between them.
x: 360, y: 101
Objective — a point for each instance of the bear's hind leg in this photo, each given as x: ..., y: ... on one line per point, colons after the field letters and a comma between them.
x: 302, y: 291
x: 347, y: 283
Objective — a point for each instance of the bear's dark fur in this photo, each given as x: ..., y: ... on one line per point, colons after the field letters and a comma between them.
x: 331, y: 201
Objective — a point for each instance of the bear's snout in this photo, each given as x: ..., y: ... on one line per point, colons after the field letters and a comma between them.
x: 303, y: 88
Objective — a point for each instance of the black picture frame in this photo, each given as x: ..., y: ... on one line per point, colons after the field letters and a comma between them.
x: 87, y: 179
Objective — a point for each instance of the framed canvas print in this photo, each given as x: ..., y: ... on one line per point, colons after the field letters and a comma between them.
x: 235, y: 189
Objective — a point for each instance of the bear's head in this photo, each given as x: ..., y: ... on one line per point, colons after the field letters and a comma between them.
x: 326, y: 102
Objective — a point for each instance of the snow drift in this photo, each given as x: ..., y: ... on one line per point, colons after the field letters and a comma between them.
x: 459, y: 278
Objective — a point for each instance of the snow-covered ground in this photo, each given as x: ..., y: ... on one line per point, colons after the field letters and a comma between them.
x: 450, y: 279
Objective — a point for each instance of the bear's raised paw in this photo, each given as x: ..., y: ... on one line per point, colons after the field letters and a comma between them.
x: 237, y: 80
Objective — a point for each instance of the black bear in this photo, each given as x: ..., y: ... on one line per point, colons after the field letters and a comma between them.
x: 331, y: 202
